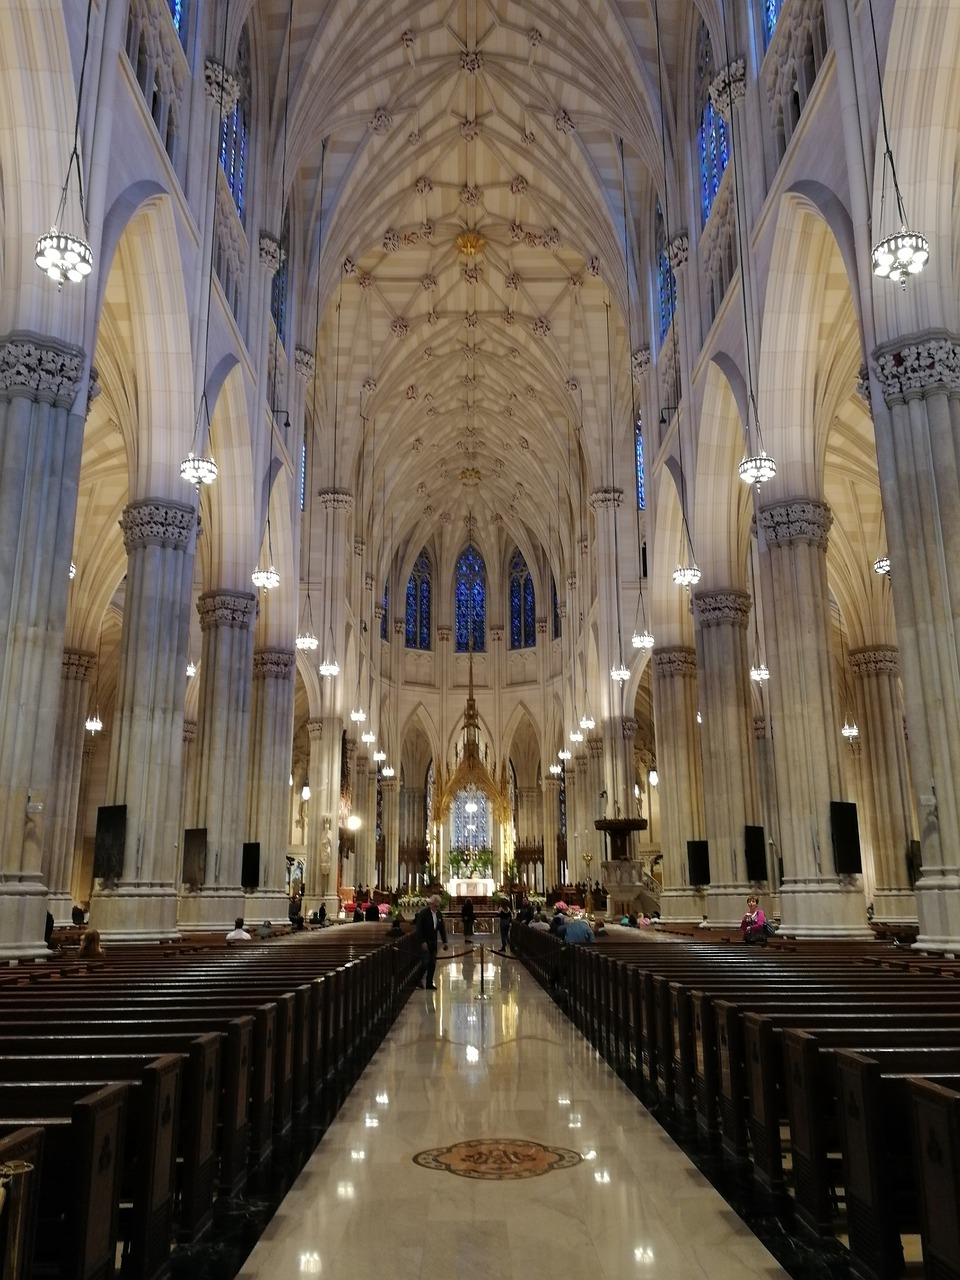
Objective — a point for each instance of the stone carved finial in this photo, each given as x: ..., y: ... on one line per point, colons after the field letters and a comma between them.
x: 541, y: 326
x: 156, y: 523
x: 226, y: 609
x: 562, y: 122
x: 720, y: 608
x: 304, y: 361
x: 927, y: 363
x: 271, y: 253
x: 77, y: 665
x: 273, y: 664
x: 677, y: 660
x: 606, y: 499
x: 879, y: 660
x: 380, y: 122
x: 220, y: 87
x: 40, y: 368
x: 800, y: 520
x: 729, y: 84
x: 678, y: 251
x: 471, y: 61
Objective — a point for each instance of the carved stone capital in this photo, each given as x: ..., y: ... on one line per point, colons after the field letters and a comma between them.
x: 189, y: 731
x: 315, y: 730
x: 607, y: 499
x: 628, y: 728
x: 336, y: 500
x: 676, y: 660
x: 541, y: 626
x: 496, y: 635
x: 799, y: 520
x: 640, y: 362
x: 759, y: 727
x: 77, y: 665
x: 154, y: 522
x: 220, y: 87
x: 275, y: 664
x: 271, y: 253
x: 879, y: 660
x: 595, y: 748
x: 729, y: 85
x: 304, y: 361
x: 226, y: 609
x: 927, y: 363
x: 40, y: 368
x: 678, y: 250
x: 444, y: 634
x: 722, y: 608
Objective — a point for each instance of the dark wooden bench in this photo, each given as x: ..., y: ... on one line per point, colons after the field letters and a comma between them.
x: 936, y: 1146
x: 21, y: 1154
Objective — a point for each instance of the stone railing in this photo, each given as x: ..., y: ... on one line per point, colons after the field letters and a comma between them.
x: 622, y: 879
x: 792, y: 63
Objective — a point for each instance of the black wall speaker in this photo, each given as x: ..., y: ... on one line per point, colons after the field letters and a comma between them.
x: 698, y: 861
x: 109, y: 841
x: 755, y: 850
x: 913, y: 862
x: 194, y: 866
x: 250, y: 866
x: 845, y: 832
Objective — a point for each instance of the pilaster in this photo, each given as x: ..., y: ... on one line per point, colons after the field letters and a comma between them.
x: 60, y: 836
x: 681, y: 782
x: 268, y: 798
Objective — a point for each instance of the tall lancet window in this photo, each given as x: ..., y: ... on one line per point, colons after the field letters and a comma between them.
x: 235, y: 130
x: 417, y: 621
x: 771, y: 12
x: 666, y: 282
x: 470, y: 591
x: 523, y: 608
x: 713, y: 139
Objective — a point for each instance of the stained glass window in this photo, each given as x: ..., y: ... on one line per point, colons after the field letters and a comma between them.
x: 471, y: 827
x: 303, y: 475
x: 385, y: 603
x: 179, y: 11
x: 771, y: 12
x: 470, y: 592
x: 523, y: 612
x: 713, y: 138
x: 666, y: 282
x: 417, y: 624
x: 638, y: 457
x: 278, y: 291
x: 235, y: 130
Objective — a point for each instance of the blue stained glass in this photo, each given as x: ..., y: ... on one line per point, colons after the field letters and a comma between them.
x: 714, y: 145
x: 523, y: 619
x: 470, y: 592
x: 385, y: 604
x: 638, y: 443
x: 417, y: 618
x: 771, y: 12
x: 235, y: 129
x: 303, y: 475
x: 666, y: 282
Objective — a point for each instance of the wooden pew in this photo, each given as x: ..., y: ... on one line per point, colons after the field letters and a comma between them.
x: 936, y: 1145
x: 21, y: 1154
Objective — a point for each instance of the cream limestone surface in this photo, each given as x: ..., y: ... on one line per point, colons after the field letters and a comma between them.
x: 456, y: 1068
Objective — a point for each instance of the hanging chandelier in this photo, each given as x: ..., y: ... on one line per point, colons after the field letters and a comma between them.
x: 388, y: 770
x: 556, y: 769
x: 619, y: 673
x: 358, y: 715
x: 757, y: 469
x: 198, y: 470
x: 587, y: 723
x: 759, y: 673
x: 368, y: 736
x: 564, y: 754
x: 306, y: 641
x: 686, y: 575
x: 575, y: 735
x: 850, y: 730
x: 642, y: 640
x: 329, y: 668
x: 881, y: 565
x: 265, y: 579
x: 379, y: 756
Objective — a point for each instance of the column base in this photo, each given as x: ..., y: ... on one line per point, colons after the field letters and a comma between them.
x: 894, y: 906
x: 265, y: 904
x: 210, y: 910
x: 61, y: 904
x: 938, y: 910
x: 23, y: 913
x: 726, y: 903
x: 135, y: 913
x: 683, y: 905
x: 823, y: 909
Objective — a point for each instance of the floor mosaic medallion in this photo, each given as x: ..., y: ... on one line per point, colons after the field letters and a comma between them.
x: 497, y: 1159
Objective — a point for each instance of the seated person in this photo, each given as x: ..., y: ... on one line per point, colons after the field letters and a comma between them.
x: 76, y: 917
x: 578, y: 931
x: 265, y: 930
x: 753, y: 926
x: 90, y: 948
x: 238, y: 933
x: 558, y: 924
x: 540, y: 921
x: 372, y: 912
x: 358, y: 914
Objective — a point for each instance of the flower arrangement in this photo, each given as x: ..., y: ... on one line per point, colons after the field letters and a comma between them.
x: 561, y: 906
x: 411, y: 902
x: 536, y: 900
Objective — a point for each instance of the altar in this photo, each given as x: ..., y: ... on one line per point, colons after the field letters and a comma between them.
x: 474, y: 887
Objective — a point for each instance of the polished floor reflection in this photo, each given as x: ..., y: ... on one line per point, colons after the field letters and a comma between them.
x: 456, y: 1069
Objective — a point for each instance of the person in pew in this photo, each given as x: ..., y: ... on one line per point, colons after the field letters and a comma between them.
x: 265, y: 930
x: 238, y: 933
x: 578, y: 932
x: 372, y: 913
x: 76, y: 917
x: 753, y: 926
x: 90, y: 948
x: 358, y: 914
x: 48, y: 931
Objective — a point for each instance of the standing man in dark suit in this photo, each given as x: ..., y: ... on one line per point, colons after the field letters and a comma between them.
x: 430, y: 931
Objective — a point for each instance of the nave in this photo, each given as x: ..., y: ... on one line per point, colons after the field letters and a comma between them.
x: 621, y: 1199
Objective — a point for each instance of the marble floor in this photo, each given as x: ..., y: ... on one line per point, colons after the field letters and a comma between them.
x: 617, y: 1197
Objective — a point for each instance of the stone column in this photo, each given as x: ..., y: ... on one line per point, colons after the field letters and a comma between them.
x: 391, y: 829
x: 318, y: 840
x: 327, y: 801
x: 681, y: 783
x: 365, y: 808
x: 920, y: 483
x: 223, y: 739
x: 890, y: 812
x: 40, y: 446
x: 60, y: 835
x: 81, y: 875
x: 268, y: 797
x: 595, y: 803
x: 550, y: 794
x: 139, y: 898
x: 188, y: 772
x: 730, y: 800
x: 805, y: 719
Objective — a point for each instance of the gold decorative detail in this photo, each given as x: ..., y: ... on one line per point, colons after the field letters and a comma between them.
x: 497, y: 1159
x: 471, y: 243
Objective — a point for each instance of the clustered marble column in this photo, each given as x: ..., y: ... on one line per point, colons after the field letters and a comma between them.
x: 726, y: 745
x: 41, y: 437
x: 890, y: 811
x: 138, y: 898
x: 268, y: 800
x: 391, y: 829
x: 223, y: 737
x: 920, y: 483
x: 805, y: 719
x: 365, y: 807
x: 550, y: 798
x: 76, y: 670
x: 681, y: 785
x: 319, y: 847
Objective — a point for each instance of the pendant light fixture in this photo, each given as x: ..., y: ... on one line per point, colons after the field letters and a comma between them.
x: 267, y: 579
x: 93, y: 723
x: 63, y: 255
x: 850, y: 729
x: 904, y: 253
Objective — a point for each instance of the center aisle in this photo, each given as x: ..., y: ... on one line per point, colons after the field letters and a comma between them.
x: 568, y: 1174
